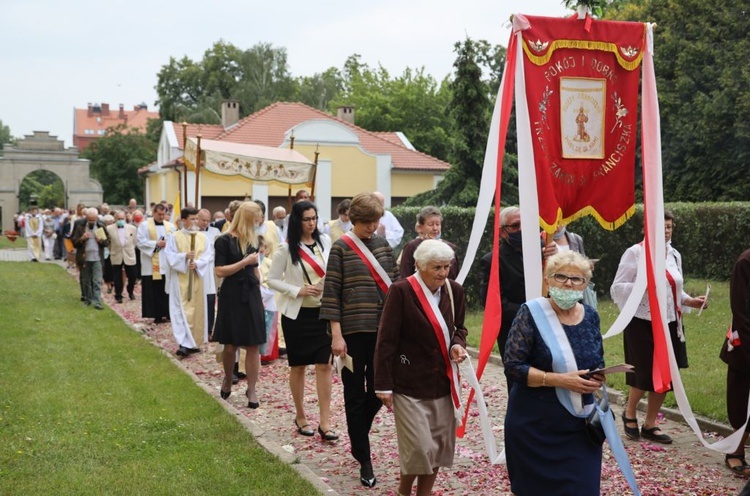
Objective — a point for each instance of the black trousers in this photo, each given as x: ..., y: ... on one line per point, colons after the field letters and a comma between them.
x: 738, y: 390
x: 154, y: 300
x: 130, y: 273
x: 360, y: 402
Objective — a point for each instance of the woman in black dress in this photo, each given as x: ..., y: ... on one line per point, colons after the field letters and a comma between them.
x: 240, y: 317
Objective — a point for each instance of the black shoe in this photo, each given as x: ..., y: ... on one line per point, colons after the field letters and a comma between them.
x: 651, y: 435
x: 109, y: 290
x: 182, y: 351
x: 161, y: 321
x: 282, y: 352
x: 251, y: 404
x: 241, y: 375
x: 194, y: 350
x: 83, y: 298
x: 366, y: 475
x: 328, y: 435
x: 225, y: 394
x: 131, y: 296
x: 304, y: 430
x: 235, y: 379
x: 98, y: 306
x: 86, y: 302
x: 118, y: 299
x: 34, y: 260
x: 631, y: 432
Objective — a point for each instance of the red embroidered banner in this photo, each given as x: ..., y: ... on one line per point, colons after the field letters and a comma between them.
x: 582, y: 90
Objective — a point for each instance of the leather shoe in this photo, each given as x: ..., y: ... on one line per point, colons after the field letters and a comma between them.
x: 366, y: 475
x: 159, y: 321
x: 182, y: 351
x: 631, y: 432
x: 98, y: 306
x: 118, y: 299
x: 194, y: 350
x: 304, y: 430
x: 131, y: 296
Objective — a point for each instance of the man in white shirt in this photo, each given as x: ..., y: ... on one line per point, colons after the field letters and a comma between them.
x: 389, y: 227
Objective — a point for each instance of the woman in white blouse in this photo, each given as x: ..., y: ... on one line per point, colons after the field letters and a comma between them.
x: 638, y: 336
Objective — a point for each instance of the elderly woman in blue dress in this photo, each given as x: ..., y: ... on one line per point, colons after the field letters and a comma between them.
x: 548, y: 450
x: 420, y: 339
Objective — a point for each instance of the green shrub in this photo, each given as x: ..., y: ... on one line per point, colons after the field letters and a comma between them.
x: 710, y: 237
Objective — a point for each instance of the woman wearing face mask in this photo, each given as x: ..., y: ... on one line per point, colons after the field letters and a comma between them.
x: 547, y: 447
x: 567, y: 240
x: 297, y: 274
x: 638, y: 336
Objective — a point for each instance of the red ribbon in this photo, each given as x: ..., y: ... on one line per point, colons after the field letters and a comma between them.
x: 439, y: 334
x: 374, y: 273
x: 311, y: 261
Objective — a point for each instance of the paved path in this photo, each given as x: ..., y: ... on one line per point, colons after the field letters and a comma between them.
x: 684, y: 468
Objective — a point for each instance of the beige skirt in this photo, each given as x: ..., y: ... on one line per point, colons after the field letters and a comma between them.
x: 426, y: 431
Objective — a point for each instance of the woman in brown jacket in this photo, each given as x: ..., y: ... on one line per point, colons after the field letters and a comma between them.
x: 420, y: 339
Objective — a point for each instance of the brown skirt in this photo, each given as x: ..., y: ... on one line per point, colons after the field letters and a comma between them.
x: 426, y: 431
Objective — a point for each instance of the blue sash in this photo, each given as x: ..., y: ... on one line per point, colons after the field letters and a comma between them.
x: 563, y: 361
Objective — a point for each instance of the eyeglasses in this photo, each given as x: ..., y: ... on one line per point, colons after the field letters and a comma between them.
x: 574, y: 280
x: 309, y: 219
x: 512, y: 227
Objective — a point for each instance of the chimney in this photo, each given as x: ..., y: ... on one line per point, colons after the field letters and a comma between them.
x: 90, y: 111
x: 105, y: 109
x: 230, y: 113
x: 121, y: 115
x: 345, y: 113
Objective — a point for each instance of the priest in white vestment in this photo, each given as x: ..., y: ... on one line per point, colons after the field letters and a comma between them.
x: 189, y: 256
x: 33, y: 228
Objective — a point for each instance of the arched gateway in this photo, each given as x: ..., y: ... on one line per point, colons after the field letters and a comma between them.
x: 41, y: 151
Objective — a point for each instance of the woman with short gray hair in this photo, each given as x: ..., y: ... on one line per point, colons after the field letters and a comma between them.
x: 429, y: 226
x: 422, y: 330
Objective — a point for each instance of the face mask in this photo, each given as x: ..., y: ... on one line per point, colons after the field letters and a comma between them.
x: 261, y: 257
x: 91, y: 225
x: 565, y: 298
x: 559, y: 235
x: 279, y: 222
x: 514, y: 239
x: 120, y: 223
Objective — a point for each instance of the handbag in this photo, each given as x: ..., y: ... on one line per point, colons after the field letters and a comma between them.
x: 594, y: 427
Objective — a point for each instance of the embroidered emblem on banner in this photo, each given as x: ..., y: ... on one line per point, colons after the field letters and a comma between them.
x: 582, y: 117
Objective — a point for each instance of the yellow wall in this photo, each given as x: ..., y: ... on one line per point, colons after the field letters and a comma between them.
x: 409, y: 184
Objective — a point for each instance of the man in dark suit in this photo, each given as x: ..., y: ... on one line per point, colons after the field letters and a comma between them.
x: 512, y: 282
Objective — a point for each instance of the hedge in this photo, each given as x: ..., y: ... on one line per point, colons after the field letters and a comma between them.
x: 710, y: 237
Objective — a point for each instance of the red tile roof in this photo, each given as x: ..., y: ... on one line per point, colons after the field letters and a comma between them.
x: 99, y: 118
x: 267, y: 127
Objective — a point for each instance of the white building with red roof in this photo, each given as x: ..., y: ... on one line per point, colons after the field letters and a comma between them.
x: 351, y: 160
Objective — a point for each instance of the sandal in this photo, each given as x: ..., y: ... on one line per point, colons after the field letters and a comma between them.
x: 631, y: 432
x: 651, y: 435
x: 304, y: 430
x: 741, y: 470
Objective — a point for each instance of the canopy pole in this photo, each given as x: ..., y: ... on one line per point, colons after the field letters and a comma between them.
x: 289, y: 192
x: 197, y: 171
x: 184, y: 194
x: 315, y: 173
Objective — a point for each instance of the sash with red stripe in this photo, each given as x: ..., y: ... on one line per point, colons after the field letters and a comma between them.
x: 439, y: 326
x: 376, y: 270
x: 308, y: 256
x: 677, y: 309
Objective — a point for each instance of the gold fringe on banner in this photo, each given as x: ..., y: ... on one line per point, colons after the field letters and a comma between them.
x: 585, y: 45
x: 589, y: 210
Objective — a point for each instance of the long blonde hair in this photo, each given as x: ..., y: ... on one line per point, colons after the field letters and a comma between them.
x: 243, y: 225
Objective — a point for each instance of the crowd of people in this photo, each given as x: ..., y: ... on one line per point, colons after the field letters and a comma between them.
x: 344, y: 301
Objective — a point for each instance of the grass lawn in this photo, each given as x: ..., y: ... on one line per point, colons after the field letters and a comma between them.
x: 89, y: 407
x: 704, y: 379
x: 6, y: 243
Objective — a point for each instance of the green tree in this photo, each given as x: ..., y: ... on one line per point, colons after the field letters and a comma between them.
x: 5, y: 137
x: 413, y: 103
x: 115, y: 160
x: 704, y: 94
x: 319, y: 90
x: 193, y: 91
x: 46, y: 186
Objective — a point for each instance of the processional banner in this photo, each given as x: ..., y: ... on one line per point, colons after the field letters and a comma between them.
x: 582, y: 92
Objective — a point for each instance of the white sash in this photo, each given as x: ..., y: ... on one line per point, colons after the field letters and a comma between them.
x: 379, y: 274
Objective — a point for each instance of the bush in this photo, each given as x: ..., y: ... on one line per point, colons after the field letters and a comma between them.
x: 710, y: 237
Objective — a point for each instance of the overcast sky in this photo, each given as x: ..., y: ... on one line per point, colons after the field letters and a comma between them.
x: 57, y: 56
